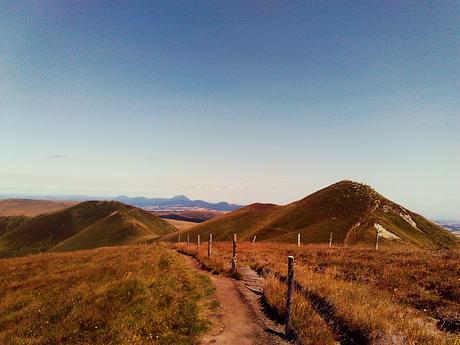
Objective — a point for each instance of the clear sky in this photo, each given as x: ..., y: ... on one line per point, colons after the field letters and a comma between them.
x: 226, y: 100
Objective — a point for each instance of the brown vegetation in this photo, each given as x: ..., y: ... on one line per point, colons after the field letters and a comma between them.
x: 30, y: 207
x: 180, y: 224
x: 357, y: 295
x: 87, y: 225
x: 353, y: 212
x: 123, y: 295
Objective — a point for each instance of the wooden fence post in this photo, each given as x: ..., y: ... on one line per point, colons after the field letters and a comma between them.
x: 197, y: 244
x: 234, y: 267
x: 330, y: 240
x: 254, y: 239
x: 298, y: 239
x: 210, y: 245
x: 188, y: 240
x: 377, y: 241
x: 290, y: 290
x: 178, y: 240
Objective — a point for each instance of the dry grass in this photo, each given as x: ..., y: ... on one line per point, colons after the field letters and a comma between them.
x: 180, y: 224
x: 88, y: 225
x: 348, y: 210
x: 309, y: 325
x: 123, y: 295
x: 362, y: 295
x: 31, y: 208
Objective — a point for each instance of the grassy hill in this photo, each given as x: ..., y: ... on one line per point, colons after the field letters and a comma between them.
x: 180, y: 224
x: 353, y: 212
x: 31, y: 208
x: 10, y: 223
x: 87, y: 225
x: 128, y: 295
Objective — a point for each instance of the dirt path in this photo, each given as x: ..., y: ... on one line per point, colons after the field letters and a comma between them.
x: 235, y: 322
x: 361, y: 221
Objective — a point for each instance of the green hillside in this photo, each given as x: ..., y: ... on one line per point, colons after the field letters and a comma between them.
x: 97, y: 223
x: 10, y: 223
x: 116, y: 229
x: 353, y: 212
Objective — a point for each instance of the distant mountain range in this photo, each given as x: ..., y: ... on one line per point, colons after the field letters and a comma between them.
x: 451, y: 225
x: 178, y: 202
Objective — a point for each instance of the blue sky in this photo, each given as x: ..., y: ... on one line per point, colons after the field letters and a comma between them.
x: 238, y: 101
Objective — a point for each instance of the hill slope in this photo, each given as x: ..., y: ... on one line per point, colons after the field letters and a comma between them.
x: 117, y: 295
x: 353, y: 212
x: 87, y: 225
x: 30, y: 207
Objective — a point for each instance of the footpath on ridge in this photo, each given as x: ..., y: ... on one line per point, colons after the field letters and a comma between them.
x: 240, y: 318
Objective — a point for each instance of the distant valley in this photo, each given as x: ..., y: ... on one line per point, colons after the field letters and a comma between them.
x: 177, y: 203
x: 451, y: 225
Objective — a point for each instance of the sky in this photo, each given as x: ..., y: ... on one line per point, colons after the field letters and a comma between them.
x: 242, y: 101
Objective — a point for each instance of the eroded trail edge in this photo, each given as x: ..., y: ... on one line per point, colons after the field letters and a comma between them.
x: 240, y: 319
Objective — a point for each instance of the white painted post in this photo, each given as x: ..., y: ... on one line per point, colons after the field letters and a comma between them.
x: 298, y: 239
x: 254, y: 239
x: 330, y: 240
x: 188, y: 240
x: 377, y: 241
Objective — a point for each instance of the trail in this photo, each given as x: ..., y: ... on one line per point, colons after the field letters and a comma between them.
x: 238, y: 320
x: 362, y: 220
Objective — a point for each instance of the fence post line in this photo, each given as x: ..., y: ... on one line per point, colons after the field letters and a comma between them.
x: 234, y: 267
x: 210, y: 246
x: 330, y: 240
x: 198, y: 244
x: 298, y: 239
x: 377, y: 241
x: 290, y: 290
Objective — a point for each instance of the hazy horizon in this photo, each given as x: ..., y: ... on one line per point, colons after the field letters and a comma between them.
x: 231, y: 101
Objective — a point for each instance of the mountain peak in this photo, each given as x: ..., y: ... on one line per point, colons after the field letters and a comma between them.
x: 180, y: 197
x: 353, y: 212
x: 351, y: 184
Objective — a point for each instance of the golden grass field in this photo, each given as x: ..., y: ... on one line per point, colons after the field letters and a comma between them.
x: 180, y: 224
x: 120, y: 295
x: 356, y: 295
x: 31, y: 208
